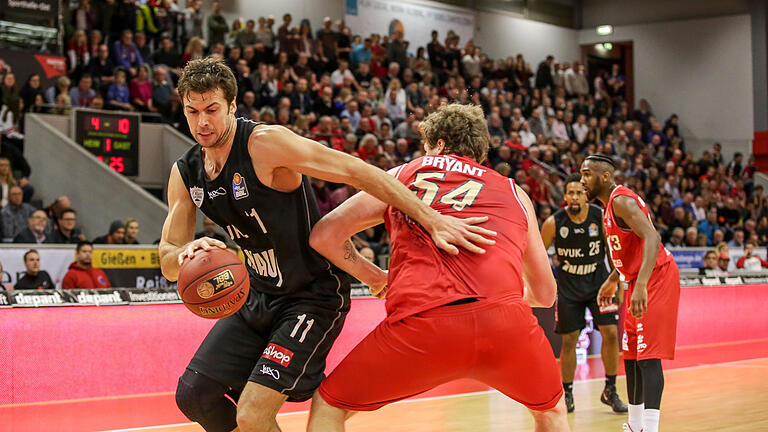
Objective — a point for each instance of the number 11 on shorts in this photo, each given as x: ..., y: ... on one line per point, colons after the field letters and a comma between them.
x: 301, y: 319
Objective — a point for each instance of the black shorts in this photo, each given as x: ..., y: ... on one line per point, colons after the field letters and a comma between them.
x: 569, y: 315
x: 279, y: 342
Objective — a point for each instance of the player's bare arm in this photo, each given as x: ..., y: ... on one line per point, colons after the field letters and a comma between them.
x: 611, y: 286
x: 540, y: 287
x: 279, y: 155
x: 330, y: 237
x: 628, y: 212
x: 177, y: 240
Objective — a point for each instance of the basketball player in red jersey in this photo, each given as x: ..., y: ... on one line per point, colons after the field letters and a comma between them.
x: 654, y: 290
x: 448, y: 317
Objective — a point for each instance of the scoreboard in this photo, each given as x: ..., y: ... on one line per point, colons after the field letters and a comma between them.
x: 111, y: 136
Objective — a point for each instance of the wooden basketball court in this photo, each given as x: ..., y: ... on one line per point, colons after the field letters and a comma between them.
x: 729, y: 397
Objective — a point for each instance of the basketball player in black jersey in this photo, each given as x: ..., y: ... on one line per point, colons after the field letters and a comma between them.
x: 577, y: 232
x: 252, y: 180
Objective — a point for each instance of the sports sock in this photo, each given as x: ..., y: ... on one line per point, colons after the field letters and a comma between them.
x: 636, y: 417
x: 568, y: 387
x: 651, y: 420
x: 610, y: 380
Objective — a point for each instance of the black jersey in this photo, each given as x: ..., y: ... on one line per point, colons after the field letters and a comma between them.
x: 579, y: 249
x: 270, y: 226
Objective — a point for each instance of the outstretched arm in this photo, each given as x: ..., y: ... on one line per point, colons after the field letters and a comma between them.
x: 277, y: 147
x: 330, y: 237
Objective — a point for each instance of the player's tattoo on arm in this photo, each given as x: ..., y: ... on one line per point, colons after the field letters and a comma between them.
x: 349, y: 251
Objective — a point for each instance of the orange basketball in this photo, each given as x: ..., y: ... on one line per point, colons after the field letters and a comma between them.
x: 213, y: 284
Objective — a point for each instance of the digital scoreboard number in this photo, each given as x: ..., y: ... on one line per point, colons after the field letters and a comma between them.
x: 111, y: 136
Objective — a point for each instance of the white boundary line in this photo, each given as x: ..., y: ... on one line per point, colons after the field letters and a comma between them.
x: 147, y: 428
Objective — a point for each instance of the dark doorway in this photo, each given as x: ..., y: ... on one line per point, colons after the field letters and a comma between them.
x: 603, y: 56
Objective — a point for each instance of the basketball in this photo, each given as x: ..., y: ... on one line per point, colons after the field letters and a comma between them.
x: 213, y: 284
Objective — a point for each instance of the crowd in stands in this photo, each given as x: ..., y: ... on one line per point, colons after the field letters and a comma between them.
x: 365, y: 94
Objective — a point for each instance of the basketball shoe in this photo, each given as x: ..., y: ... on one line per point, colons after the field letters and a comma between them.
x: 611, y: 398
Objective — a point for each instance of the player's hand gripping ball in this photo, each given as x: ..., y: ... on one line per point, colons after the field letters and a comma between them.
x: 213, y: 283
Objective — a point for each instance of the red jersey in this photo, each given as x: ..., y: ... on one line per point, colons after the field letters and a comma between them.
x: 624, y: 245
x: 423, y: 276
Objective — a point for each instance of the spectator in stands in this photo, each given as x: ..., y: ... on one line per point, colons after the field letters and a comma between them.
x: 247, y: 36
x: 723, y: 260
x: 168, y: 56
x: 115, y: 236
x: 140, y: 39
x: 126, y: 54
x: 709, y: 226
x: 141, y: 91
x: 738, y: 239
x: 16, y: 214
x: 83, y: 94
x: 162, y: 91
x: 691, y: 237
x: 131, y: 232
x: 676, y: 239
x: 368, y: 254
x: 193, y: 20
x: 35, y: 230
x: 751, y: 261
x: 118, y: 94
x: 4, y: 286
x: 102, y: 68
x: 710, y: 263
x: 544, y: 74
x: 9, y: 96
x: 34, y: 278
x: 195, y: 50
x: 78, y: 54
x: 30, y: 91
x: 209, y: 230
x: 327, y: 44
x: 84, y: 16
x: 67, y: 232
x: 217, y: 25
x: 81, y: 273
x: 62, y: 86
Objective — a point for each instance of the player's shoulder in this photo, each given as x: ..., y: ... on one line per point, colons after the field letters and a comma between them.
x: 558, y: 215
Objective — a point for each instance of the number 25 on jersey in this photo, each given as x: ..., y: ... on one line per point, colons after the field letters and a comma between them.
x: 459, y: 198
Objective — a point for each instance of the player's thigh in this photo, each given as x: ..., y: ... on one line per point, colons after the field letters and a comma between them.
x: 293, y: 361
x: 518, y: 360
x: 657, y: 330
x: 402, y: 359
x: 569, y: 315
x: 229, y: 352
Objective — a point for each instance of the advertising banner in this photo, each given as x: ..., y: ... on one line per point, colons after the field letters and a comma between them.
x: 125, y: 267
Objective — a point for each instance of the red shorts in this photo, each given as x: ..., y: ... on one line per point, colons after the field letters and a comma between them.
x: 497, y: 343
x: 653, y: 336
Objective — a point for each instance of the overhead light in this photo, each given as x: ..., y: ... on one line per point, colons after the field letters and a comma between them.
x: 604, y: 30
x: 608, y: 46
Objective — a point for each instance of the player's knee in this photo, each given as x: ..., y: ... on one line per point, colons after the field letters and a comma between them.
x: 609, y: 333
x: 570, y: 340
x: 195, y: 393
x: 251, y: 418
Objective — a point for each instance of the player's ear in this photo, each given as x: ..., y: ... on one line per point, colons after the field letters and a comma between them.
x: 440, y: 146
